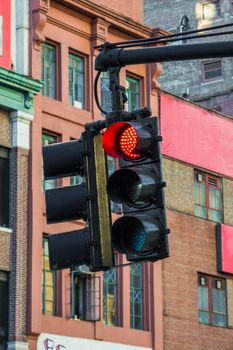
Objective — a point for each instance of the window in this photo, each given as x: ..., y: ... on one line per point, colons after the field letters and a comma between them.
x: 85, y: 295
x: 48, y: 139
x: 49, y: 70
x: 136, y: 296
x: 115, y: 207
x: 212, y: 70
x: 106, y: 94
x: 76, y: 81
x: 4, y: 310
x: 4, y: 187
x: 49, y: 283
x: 212, y: 300
x: 207, y: 196
x: 110, y: 297
x: 132, y: 91
x: 211, y: 10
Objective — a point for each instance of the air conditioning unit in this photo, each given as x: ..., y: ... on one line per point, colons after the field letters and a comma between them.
x: 83, y: 270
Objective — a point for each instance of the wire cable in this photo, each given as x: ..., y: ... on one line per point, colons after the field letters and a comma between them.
x: 149, y: 40
x: 96, y: 92
x: 178, y: 39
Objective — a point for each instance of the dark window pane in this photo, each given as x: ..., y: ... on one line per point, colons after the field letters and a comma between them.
x: 106, y: 94
x: 218, y: 300
x: 215, y: 215
x: 110, y: 297
x: 214, y: 198
x: 76, y: 81
x: 203, y: 317
x: 4, y: 311
x: 212, y: 70
x: 49, y: 70
x: 203, y: 299
x: 48, y: 139
x: 4, y: 188
x: 211, y: 10
x: 136, y: 296
x: 48, y: 283
x: 219, y: 320
x: 132, y: 92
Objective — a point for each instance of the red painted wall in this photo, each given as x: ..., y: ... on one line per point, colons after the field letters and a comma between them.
x: 5, y: 33
x: 195, y: 135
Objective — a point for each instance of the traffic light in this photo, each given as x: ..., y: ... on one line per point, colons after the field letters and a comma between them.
x: 88, y: 201
x: 141, y: 233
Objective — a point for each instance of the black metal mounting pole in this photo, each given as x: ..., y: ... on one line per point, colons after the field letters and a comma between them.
x: 114, y: 57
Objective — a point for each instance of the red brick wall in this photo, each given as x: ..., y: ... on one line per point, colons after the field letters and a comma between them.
x: 192, y: 249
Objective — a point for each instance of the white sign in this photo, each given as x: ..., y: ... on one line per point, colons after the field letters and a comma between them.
x: 0, y: 35
x: 58, y: 342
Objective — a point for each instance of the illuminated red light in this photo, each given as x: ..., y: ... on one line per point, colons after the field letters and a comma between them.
x: 128, y: 142
x: 120, y: 141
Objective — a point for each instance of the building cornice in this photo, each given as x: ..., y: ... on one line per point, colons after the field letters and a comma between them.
x: 115, y: 19
x: 19, y: 81
x: 68, y: 27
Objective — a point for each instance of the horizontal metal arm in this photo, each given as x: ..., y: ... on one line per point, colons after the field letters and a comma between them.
x: 112, y: 57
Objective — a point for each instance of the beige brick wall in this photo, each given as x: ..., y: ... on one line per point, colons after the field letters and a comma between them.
x: 179, y: 191
x: 230, y: 302
x: 5, y: 238
x: 5, y: 127
x: 228, y: 201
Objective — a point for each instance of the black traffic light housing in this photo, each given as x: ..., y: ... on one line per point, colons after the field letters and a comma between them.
x: 138, y: 185
x: 88, y: 201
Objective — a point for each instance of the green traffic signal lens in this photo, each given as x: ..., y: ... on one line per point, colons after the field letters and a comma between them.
x: 136, y: 233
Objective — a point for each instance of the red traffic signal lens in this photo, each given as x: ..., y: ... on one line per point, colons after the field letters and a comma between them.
x: 128, y: 140
x: 120, y: 141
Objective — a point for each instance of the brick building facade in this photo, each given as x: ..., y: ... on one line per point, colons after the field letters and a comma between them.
x: 181, y: 302
x: 63, y: 34
x: 161, y: 309
x: 16, y: 114
x: 207, y: 82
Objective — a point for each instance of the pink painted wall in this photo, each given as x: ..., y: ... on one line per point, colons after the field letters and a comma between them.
x: 5, y: 33
x: 196, y: 135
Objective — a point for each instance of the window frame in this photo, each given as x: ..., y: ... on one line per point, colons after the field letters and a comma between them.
x: 84, y: 61
x: 116, y: 297
x: 203, y: 70
x: 55, y: 181
x: 134, y: 78
x: 104, y: 77
x: 210, y: 286
x: 56, y: 69
x: 206, y: 4
x: 44, y: 285
x: 142, y: 289
x: 207, y: 177
x: 5, y: 197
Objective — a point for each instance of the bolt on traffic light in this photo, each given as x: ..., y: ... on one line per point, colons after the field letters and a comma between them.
x: 141, y: 233
x: 91, y: 245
